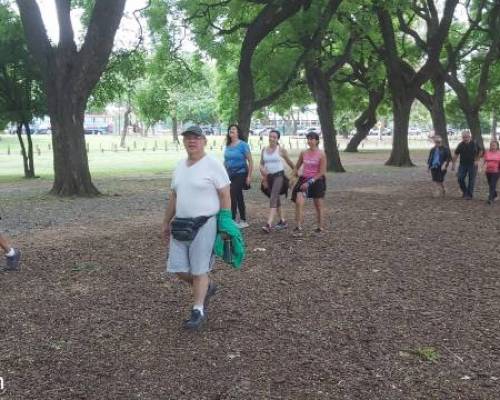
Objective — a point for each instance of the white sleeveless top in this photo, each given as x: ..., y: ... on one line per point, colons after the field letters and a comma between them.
x: 272, y: 162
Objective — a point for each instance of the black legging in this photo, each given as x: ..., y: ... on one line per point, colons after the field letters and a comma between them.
x: 237, y: 201
x: 492, y: 178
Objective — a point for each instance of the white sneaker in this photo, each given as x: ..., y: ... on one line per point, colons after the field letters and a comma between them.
x: 243, y: 224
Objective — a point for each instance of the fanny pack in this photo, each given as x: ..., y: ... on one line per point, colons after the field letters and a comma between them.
x: 185, y: 229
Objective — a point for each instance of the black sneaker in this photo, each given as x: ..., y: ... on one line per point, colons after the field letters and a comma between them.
x: 196, y: 321
x: 14, y: 261
x: 281, y: 225
x: 212, y: 290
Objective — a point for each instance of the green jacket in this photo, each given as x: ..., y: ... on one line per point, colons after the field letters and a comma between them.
x: 227, y: 227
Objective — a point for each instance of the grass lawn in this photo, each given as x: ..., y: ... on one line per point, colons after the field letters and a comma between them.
x: 150, y: 155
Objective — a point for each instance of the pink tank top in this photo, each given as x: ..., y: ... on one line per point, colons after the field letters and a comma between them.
x: 312, y: 160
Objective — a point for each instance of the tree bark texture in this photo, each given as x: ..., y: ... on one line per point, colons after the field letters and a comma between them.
x: 400, y: 153
x: 404, y: 81
x: 319, y: 85
x: 69, y: 76
x: 367, y: 120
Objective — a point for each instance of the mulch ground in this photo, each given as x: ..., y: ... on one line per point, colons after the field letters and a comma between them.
x: 400, y: 299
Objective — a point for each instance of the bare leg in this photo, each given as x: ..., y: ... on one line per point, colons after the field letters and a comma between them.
x: 200, y: 287
x: 281, y: 214
x: 299, y: 210
x: 272, y: 214
x: 4, y: 244
x: 318, y: 204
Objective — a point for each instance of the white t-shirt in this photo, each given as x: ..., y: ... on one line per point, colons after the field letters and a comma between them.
x: 196, y: 187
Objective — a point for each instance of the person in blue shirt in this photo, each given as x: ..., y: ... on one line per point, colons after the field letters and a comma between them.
x: 239, y: 165
x: 437, y: 163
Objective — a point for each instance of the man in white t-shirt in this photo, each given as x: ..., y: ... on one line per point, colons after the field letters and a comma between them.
x: 200, y: 188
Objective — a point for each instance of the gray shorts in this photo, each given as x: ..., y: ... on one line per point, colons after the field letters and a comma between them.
x: 195, y: 257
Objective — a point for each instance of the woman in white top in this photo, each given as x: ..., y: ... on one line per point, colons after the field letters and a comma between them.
x: 273, y: 178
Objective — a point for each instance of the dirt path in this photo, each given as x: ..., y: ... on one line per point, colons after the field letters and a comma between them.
x: 399, y: 300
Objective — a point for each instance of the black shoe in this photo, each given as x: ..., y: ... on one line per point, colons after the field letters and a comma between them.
x: 13, y: 262
x: 196, y: 321
x: 212, y: 290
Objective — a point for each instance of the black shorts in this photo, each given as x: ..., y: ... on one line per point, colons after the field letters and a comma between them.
x: 438, y: 175
x: 316, y: 190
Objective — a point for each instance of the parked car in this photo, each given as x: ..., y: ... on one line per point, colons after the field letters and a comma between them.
x: 207, y: 130
x: 95, y: 131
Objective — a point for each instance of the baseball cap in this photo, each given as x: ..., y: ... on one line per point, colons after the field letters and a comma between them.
x: 193, y: 130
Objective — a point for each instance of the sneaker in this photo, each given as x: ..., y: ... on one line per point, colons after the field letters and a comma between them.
x: 14, y: 261
x: 196, y: 321
x: 212, y: 290
x: 267, y: 228
x: 281, y: 225
x: 243, y: 224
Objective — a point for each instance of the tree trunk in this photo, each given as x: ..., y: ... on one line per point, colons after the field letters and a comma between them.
x: 366, y: 121
x: 294, y: 123
x: 71, y: 166
x: 175, y: 128
x: 320, y: 88
x: 245, y: 112
x: 126, y: 124
x: 19, y: 132
x: 69, y: 75
x: 438, y: 113
x: 400, y: 154
x: 474, y: 124
x: 494, y: 125
x: 31, y: 161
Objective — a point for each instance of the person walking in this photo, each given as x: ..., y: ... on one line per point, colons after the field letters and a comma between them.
x: 311, y: 183
x: 273, y: 179
x: 239, y: 165
x: 492, y: 163
x: 12, y: 255
x: 469, y: 153
x: 437, y: 163
x: 199, y: 192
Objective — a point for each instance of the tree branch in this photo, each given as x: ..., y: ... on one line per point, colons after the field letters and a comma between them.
x: 36, y: 35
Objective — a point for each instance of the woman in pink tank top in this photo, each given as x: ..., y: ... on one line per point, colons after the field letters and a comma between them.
x: 492, y: 164
x: 311, y: 183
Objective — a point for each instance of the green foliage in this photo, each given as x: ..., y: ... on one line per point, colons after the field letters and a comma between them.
x: 118, y: 82
x: 21, y: 94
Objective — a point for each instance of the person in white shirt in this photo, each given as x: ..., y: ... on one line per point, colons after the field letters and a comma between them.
x: 199, y: 189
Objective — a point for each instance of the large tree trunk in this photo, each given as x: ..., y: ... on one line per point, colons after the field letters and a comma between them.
x: 435, y: 105
x: 320, y: 88
x: 71, y: 167
x: 400, y: 154
x: 438, y: 113
x: 366, y: 121
x: 474, y: 124
x: 245, y: 111
x: 69, y: 74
